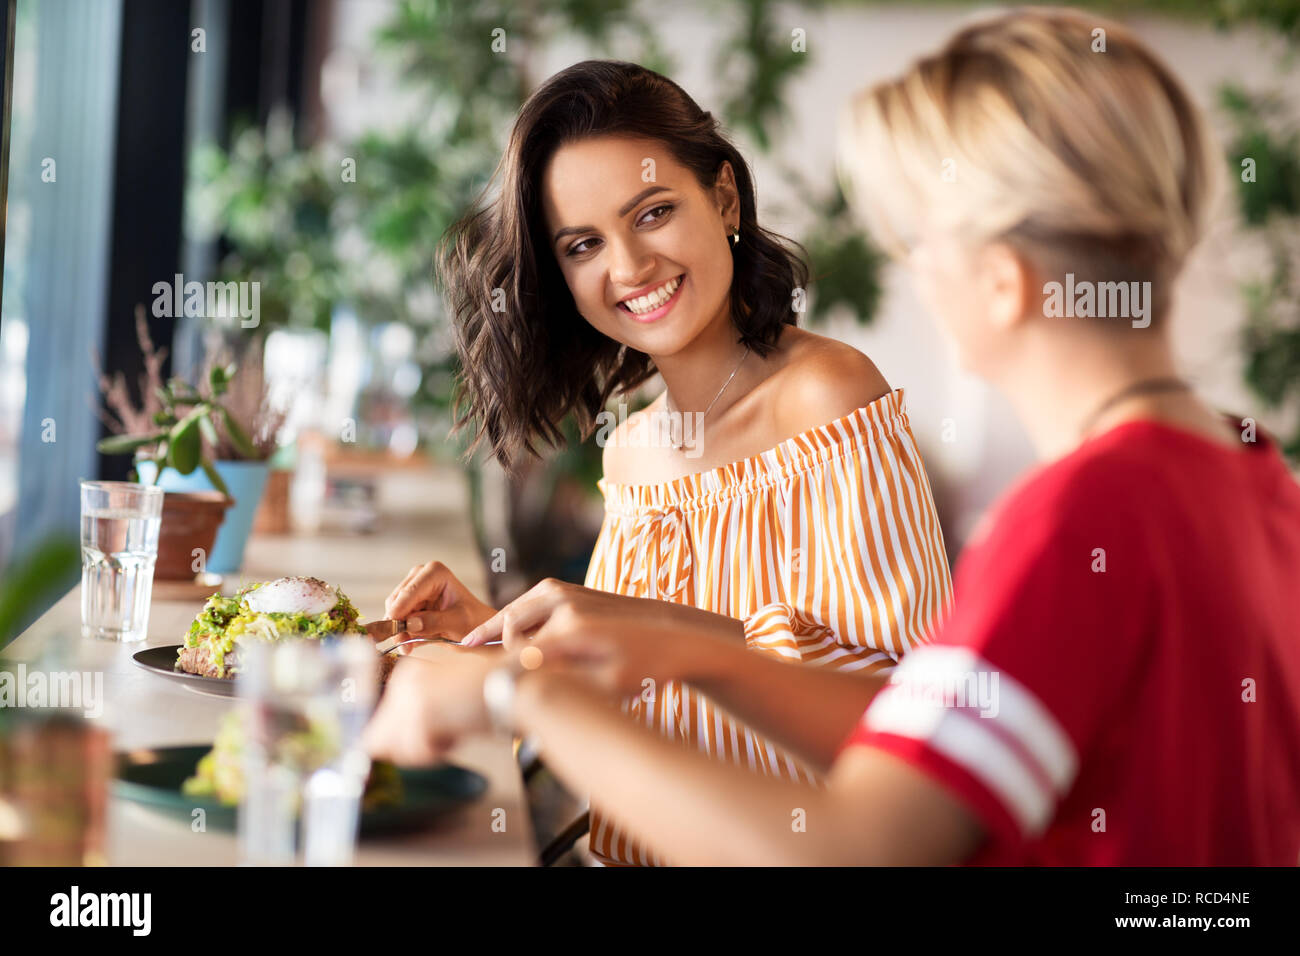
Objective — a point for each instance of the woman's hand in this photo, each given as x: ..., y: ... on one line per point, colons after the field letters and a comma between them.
x: 434, y: 603
x: 427, y: 706
x: 618, y: 642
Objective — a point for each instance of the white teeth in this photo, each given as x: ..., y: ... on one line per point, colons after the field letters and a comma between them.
x: 652, y: 300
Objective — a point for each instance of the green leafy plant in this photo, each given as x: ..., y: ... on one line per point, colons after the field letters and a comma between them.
x: 248, y: 402
x: 846, y: 266
x: 273, y: 204
x: 1264, y: 157
x: 174, y: 418
x: 29, y: 583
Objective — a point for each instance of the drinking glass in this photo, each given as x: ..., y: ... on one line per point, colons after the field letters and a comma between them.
x: 306, y: 703
x: 119, y: 544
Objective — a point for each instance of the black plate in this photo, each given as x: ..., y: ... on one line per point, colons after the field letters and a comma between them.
x: 154, y: 777
x: 162, y: 661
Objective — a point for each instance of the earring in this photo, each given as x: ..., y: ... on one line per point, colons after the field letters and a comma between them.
x: 735, y: 237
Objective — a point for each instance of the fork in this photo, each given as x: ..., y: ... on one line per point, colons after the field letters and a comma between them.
x: 426, y: 640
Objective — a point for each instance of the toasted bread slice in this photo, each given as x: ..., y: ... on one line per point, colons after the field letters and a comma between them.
x: 198, y: 660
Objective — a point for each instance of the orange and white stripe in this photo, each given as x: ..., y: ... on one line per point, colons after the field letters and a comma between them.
x: 827, y: 547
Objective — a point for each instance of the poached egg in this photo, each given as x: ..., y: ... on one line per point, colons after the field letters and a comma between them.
x: 296, y: 595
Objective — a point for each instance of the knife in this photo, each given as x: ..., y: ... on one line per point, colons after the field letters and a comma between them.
x: 383, y: 632
x: 378, y: 630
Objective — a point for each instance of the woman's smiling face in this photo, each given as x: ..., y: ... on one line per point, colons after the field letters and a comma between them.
x: 646, y: 257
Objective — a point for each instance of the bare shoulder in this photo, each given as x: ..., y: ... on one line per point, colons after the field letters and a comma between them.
x: 623, y: 456
x: 821, y: 380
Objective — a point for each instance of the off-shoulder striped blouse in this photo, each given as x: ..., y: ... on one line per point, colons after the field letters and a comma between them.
x: 827, y: 548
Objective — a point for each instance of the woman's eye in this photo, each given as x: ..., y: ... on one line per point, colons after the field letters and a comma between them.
x: 663, y: 211
x: 652, y: 215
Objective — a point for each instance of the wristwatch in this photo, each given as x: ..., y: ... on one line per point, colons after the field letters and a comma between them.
x: 499, y: 698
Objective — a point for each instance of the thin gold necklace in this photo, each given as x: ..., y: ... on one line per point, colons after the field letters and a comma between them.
x: 680, y: 443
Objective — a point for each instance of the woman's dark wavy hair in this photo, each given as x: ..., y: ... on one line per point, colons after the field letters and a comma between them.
x: 525, y: 368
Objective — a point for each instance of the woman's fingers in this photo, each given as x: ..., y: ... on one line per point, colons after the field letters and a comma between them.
x: 586, y: 657
x: 423, y: 586
x: 490, y: 630
x: 580, y: 651
x: 431, y: 623
x: 519, y: 630
x: 512, y: 621
x: 483, y: 633
x: 393, y: 595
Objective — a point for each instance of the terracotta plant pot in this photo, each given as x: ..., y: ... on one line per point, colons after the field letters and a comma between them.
x: 190, y: 520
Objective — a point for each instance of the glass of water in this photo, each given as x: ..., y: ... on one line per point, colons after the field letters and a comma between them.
x: 119, y: 544
x: 306, y: 703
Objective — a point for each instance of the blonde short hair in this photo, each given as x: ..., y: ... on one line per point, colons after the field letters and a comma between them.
x: 1021, y: 129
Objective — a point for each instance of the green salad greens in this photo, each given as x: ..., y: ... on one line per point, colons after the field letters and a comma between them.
x: 220, y: 772
x: 225, y: 622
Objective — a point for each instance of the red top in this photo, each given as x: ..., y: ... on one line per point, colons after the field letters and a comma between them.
x: 1119, y: 682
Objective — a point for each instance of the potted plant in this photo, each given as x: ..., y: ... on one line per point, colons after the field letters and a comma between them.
x: 168, y: 429
x: 243, y: 440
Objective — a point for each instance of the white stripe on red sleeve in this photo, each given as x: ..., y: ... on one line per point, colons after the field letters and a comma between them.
x: 986, y: 722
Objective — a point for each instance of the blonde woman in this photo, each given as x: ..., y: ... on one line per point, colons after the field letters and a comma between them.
x: 1124, y: 636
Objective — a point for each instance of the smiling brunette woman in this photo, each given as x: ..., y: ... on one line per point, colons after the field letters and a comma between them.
x: 790, y: 521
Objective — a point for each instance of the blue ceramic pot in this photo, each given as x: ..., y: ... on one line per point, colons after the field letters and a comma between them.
x: 246, y: 481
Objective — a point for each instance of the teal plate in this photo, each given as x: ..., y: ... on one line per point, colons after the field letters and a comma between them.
x: 153, y: 778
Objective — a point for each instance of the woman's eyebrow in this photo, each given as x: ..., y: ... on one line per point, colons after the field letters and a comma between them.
x: 627, y: 208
